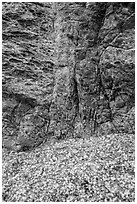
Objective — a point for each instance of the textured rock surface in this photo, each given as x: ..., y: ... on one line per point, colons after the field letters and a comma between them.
x: 28, y: 50
x: 74, y: 62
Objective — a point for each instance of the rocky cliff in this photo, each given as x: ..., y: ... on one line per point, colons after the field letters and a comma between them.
x: 68, y: 69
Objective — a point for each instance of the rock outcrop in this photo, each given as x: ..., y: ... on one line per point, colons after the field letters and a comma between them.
x: 68, y: 69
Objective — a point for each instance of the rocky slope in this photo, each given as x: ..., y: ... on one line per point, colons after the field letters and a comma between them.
x: 99, y: 169
x: 68, y: 70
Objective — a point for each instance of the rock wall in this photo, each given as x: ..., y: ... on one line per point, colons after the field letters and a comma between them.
x: 28, y: 61
x: 70, y: 65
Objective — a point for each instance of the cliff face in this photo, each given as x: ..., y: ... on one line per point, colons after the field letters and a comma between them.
x: 28, y: 61
x: 68, y: 68
x: 28, y: 49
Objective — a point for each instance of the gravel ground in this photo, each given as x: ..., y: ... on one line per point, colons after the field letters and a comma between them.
x: 92, y: 170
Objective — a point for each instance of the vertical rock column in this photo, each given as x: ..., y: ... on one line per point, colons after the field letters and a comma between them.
x: 87, y: 58
x: 62, y: 109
